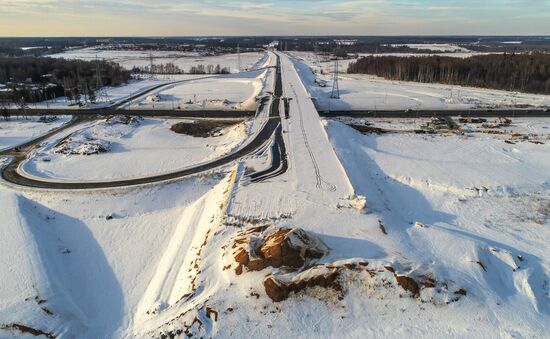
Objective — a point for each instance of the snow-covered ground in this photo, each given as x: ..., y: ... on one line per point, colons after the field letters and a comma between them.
x: 206, y: 91
x: 230, y: 92
x: 472, y: 210
x: 366, y: 92
x: 184, y: 60
x: 449, y: 48
x: 138, y: 149
x: 18, y: 130
x: 77, y: 264
x: 109, y: 96
x: 464, y: 218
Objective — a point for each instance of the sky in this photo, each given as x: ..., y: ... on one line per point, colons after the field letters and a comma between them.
x: 273, y: 17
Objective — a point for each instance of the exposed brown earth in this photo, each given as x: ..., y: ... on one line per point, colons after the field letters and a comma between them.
x: 203, y: 129
x: 408, y: 284
x: 292, y: 255
x: 28, y: 330
x: 278, y: 290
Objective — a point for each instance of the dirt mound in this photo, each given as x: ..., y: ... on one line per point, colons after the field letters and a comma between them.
x: 28, y: 330
x: 82, y: 144
x: 124, y: 119
x: 293, y: 258
x: 291, y: 253
x: 202, y: 129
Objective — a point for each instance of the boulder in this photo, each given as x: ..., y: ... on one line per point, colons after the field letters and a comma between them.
x: 290, y: 248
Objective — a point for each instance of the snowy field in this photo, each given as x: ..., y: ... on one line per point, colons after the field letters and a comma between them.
x: 109, y: 96
x: 459, y: 164
x: 230, y: 92
x: 444, y: 48
x: 184, y: 60
x: 137, y: 149
x: 18, y: 130
x: 366, y: 92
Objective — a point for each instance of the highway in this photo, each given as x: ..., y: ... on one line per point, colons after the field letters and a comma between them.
x: 271, y: 129
x: 117, y: 107
x: 11, y: 174
x: 279, y: 159
x: 478, y: 113
x: 143, y: 113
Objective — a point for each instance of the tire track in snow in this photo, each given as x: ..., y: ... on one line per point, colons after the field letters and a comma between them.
x: 319, y: 178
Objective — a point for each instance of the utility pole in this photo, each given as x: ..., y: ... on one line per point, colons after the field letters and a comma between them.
x: 317, y: 60
x: 99, y: 82
x: 335, y: 87
x: 239, y: 56
x: 151, y: 63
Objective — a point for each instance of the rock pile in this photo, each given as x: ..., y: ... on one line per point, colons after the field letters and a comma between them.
x: 290, y: 249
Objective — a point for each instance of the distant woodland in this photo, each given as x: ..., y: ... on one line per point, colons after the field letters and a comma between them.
x: 514, y: 72
x: 33, y: 78
x: 171, y: 68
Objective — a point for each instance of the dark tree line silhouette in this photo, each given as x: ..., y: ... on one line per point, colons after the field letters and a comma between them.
x: 171, y: 68
x: 515, y: 72
x: 73, y: 78
x: 62, y: 71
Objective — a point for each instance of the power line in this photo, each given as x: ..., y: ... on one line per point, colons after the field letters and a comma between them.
x: 239, y: 56
x: 151, y: 63
x: 100, y: 95
x: 335, y: 87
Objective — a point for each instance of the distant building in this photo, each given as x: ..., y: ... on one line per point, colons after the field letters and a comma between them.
x: 345, y: 42
x: 104, y: 41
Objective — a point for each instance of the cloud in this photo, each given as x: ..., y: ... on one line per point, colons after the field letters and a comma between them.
x: 191, y: 17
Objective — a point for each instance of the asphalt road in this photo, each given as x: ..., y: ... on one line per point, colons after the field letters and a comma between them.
x: 511, y: 113
x: 10, y: 173
x: 143, y: 113
x: 279, y: 162
x: 116, y: 108
x: 279, y: 159
x: 27, y: 146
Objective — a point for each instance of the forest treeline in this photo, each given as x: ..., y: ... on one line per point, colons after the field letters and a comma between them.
x: 31, y: 78
x: 171, y: 68
x: 513, y: 72
x: 62, y: 72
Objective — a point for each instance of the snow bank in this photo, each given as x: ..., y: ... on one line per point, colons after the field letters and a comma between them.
x: 179, y: 285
